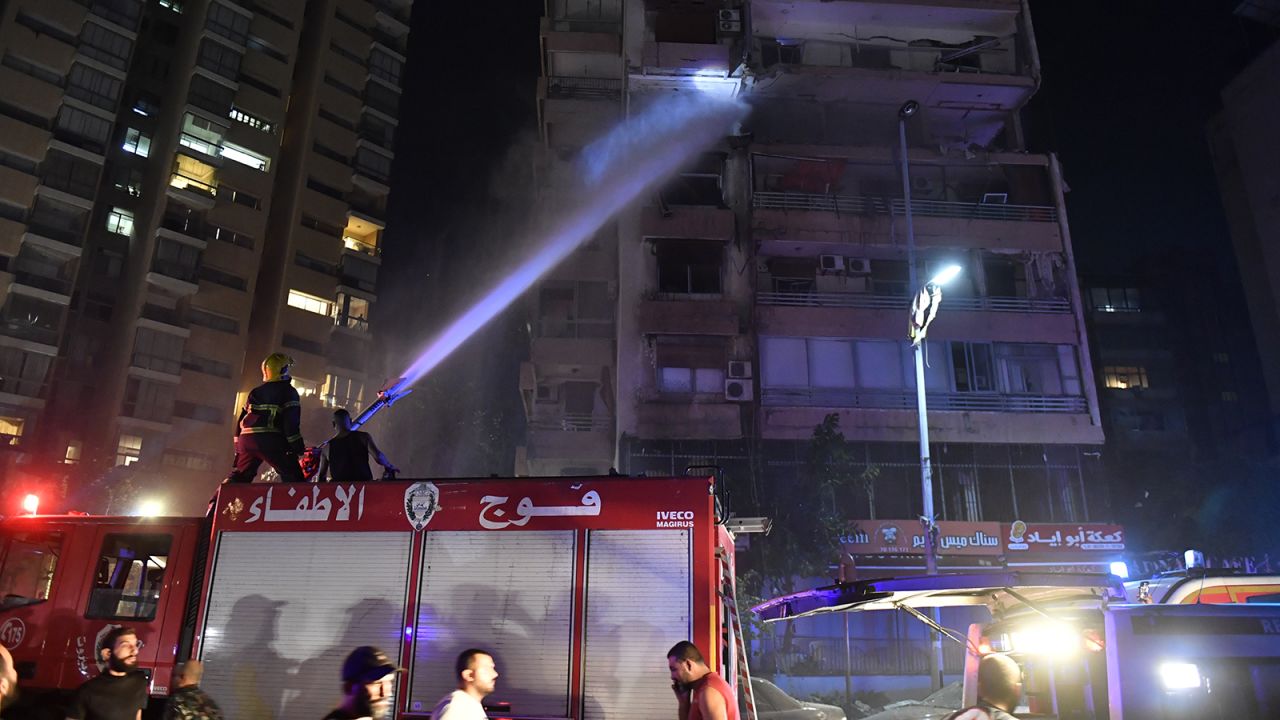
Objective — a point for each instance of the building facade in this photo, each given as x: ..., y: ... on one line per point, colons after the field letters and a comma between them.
x: 1245, y: 156
x: 186, y: 187
x: 722, y: 318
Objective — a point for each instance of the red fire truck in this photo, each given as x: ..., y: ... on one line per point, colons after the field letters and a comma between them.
x: 578, y: 586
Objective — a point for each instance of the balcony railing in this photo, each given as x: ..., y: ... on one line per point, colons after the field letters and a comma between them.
x: 185, y: 182
x: 168, y: 316
x: 565, y: 328
x: 572, y: 422
x: 871, y: 205
x: 177, y: 270
x: 869, y: 301
x: 352, y: 322
x: 584, y: 88
x: 62, y: 286
x: 906, y: 400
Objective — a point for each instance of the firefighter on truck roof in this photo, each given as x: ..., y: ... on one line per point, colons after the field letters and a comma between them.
x: 268, y: 428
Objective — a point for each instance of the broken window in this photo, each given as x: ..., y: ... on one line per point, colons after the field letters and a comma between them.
x: 689, y: 267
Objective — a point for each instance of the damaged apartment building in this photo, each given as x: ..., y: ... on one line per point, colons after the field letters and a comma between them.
x: 723, y: 316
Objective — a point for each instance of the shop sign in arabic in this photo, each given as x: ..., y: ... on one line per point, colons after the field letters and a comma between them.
x: 496, y: 515
x: 314, y: 506
x: 1041, y: 537
x: 906, y: 537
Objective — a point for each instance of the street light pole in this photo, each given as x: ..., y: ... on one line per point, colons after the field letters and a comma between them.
x: 908, y: 109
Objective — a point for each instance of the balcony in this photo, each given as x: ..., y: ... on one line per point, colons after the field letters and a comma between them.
x: 566, y: 16
x: 673, y: 316
x: 897, y: 302
x: 574, y: 343
x: 571, y: 437
x: 583, y: 88
x: 35, y: 279
x: 871, y: 205
x: 164, y: 316
x: 192, y: 191
x: 906, y: 400
x: 351, y: 322
x: 687, y: 58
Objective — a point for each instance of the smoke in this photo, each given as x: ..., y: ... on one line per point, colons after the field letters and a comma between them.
x: 613, y: 172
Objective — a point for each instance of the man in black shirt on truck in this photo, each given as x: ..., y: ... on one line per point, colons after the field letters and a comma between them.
x: 346, y: 455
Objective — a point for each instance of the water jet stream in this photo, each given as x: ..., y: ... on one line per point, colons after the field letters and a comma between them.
x: 616, y: 168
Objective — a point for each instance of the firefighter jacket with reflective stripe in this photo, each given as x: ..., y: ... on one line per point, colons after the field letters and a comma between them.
x: 273, y: 407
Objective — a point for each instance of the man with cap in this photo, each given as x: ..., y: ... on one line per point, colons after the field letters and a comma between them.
x: 476, y: 676
x: 368, y: 686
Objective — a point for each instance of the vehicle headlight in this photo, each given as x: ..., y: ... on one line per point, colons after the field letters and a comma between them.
x: 1180, y: 675
x: 1046, y: 639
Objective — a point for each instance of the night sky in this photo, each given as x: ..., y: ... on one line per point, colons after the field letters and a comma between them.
x: 1127, y: 91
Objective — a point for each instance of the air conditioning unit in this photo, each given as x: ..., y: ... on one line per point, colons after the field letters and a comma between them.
x: 858, y: 266
x: 738, y: 390
x: 740, y: 369
x: 831, y: 263
x: 730, y: 21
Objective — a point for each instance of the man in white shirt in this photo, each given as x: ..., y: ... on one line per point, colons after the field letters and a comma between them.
x: 476, y: 676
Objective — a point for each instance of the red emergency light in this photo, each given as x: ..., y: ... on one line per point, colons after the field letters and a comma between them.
x: 30, y: 504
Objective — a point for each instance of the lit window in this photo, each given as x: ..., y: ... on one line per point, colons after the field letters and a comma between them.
x: 1118, y: 377
x: 241, y: 116
x: 137, y: 143
x: 1115, y: 300
x: 306, y: 388
x: 310, y: 303
x: 11, y: 430
x: 342, y: 392
x: 243, y: 156
x: 120, y: 221
x: 129, y: 450
x: 74, y: 450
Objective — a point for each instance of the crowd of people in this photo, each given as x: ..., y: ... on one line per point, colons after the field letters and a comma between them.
x: 120, y: 691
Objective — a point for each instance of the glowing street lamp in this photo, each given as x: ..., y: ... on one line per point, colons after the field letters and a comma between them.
x: 945, y: 275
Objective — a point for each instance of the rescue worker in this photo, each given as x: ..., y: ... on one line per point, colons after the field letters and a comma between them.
x: 269, y: 426
x: 345, y: 457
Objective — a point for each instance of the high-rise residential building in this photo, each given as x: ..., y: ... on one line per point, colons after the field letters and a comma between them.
x: 187, y: 186
x: 1245, y: 155
x: 720, y: 319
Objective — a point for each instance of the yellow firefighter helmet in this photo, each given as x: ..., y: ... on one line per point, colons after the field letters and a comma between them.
x: 276, y: 367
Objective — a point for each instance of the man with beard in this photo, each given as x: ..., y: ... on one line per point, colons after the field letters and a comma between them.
x: 119, y: 693
x: 476, y: 676
x: 368, y: 686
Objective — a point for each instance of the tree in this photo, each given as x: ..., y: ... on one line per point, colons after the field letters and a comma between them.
x: 810, y: 510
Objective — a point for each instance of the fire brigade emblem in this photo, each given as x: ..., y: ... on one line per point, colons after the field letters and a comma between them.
x: 421, y: 500
x: 12, y: 633
x: 233, y: 509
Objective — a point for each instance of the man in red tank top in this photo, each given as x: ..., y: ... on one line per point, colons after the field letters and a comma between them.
x: 701, y: 692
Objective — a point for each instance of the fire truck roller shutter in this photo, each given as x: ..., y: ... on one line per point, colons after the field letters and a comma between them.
x: 639, y: 598
x: 509, y: 592
x: 285, y: 608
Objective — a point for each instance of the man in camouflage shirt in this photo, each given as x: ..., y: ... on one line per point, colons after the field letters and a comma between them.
x: 188, y: 701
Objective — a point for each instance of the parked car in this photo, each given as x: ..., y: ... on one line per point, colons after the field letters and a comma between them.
x: 774, y: 704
